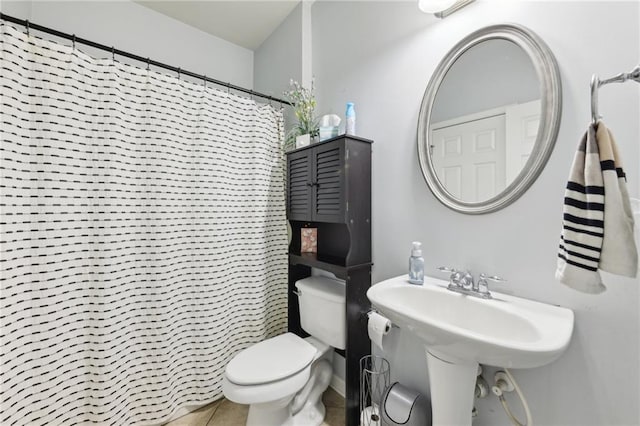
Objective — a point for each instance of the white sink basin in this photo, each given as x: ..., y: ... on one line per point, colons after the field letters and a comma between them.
x: 459, y: 332
x: 505, y: 331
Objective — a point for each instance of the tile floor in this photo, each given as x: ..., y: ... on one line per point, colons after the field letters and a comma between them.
x: 227, y: 413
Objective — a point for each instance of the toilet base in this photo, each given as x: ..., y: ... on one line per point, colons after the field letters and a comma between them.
x: 306, y: 406
x: 310, y: 415
x: 313, y: 411
x: 278, y: 414
x: 274, y: 413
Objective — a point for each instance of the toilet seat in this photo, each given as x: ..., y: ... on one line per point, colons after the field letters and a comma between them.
x: 270, y: 361
x: 268, y: 392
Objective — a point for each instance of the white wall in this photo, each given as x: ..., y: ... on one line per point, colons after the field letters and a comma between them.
x: 381, y: 55
x: 136, y: 29
x: 278, y: 59
x: 285, y: 55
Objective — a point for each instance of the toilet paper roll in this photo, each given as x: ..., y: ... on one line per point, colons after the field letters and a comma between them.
x: 378, y: 326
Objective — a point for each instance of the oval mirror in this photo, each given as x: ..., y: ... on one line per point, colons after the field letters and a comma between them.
x: 489, y: 119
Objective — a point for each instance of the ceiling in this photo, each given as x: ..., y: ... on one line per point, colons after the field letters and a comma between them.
x: 246, y: 23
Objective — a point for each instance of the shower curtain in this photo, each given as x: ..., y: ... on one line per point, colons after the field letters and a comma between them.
x: 143, y: 240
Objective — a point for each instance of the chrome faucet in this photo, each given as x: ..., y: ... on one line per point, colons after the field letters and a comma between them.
x: 463, y: 282
x: 466, y: 282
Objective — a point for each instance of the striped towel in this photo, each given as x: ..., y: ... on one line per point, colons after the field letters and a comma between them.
x: 598, y: 221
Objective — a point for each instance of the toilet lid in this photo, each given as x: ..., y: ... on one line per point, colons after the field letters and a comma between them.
x: 270, y: 360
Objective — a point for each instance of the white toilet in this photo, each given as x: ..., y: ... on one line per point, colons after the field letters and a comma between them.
x: 283, y: 378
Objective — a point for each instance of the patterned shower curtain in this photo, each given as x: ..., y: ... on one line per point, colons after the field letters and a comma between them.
x: 143, y: 236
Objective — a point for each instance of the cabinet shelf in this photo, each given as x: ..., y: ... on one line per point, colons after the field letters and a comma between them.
x: 335, y: 265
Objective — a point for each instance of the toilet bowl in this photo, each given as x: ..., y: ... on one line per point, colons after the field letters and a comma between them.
x: 282, y: 379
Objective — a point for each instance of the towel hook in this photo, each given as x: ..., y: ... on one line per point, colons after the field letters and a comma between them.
x: 634, y: 75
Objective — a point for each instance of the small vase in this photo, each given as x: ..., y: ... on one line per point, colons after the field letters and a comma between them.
x: 303, y: 140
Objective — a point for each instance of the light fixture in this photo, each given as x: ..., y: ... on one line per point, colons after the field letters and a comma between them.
x: 442, y: 8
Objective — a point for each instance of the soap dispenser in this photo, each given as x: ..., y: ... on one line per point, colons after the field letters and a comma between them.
x: 416, y: 264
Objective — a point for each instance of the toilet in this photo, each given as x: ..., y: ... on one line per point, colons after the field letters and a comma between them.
x: 282, y: 379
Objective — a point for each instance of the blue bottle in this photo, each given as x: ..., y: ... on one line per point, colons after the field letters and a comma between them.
x: 350, y: 126
x: 416, y: 264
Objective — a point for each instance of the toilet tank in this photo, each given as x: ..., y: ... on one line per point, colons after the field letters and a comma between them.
x: 323, y: 310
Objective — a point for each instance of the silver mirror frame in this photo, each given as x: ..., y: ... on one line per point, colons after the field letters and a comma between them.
x: 548, y: 74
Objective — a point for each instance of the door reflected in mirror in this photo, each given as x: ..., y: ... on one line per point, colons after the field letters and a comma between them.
x: 485, y: 120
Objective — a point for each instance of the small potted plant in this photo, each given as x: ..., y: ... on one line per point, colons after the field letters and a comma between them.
x: 304, y: 104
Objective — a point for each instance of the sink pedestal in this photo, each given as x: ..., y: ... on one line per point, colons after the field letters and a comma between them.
x: 452, y: 384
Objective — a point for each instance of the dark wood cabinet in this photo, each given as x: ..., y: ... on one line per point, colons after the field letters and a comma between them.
x: 329, y: 188
x: 316, y: 178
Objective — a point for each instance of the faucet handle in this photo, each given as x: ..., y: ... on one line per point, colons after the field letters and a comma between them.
x: 454, y: 275
x: 483, y: 285
x: 493, y: 278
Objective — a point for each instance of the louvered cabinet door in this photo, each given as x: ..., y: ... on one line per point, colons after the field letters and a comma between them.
x: 300, y: 186
x: 328, y: 183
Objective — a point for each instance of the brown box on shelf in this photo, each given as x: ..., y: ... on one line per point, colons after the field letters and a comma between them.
x: 309, y: 240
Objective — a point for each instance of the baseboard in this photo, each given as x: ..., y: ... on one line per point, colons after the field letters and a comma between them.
x: 337, y: 384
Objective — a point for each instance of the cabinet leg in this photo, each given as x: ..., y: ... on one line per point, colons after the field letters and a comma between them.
x: 358, y: 282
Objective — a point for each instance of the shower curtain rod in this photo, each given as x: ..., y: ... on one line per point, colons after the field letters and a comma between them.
x: 114, y: 51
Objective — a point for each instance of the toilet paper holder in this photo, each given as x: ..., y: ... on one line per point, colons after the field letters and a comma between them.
x: 367, y: 314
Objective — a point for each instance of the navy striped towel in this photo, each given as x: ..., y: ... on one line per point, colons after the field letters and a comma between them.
x: 598, y: 222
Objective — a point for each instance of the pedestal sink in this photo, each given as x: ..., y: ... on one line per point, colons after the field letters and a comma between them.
x: 460, y: 331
